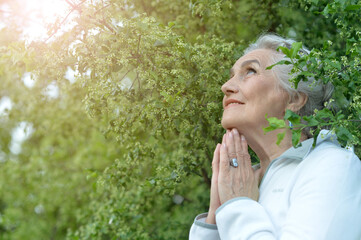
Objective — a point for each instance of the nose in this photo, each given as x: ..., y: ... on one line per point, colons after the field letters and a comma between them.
x: 229, y: 87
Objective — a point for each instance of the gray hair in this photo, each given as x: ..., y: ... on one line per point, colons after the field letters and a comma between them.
x: 317, y: 92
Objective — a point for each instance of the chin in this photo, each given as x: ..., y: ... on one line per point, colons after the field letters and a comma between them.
x: 228, y: 122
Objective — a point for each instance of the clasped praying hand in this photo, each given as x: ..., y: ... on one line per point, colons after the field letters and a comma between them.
x: 232, y: 173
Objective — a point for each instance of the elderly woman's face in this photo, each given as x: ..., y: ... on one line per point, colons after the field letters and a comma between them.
x: 252, y: 92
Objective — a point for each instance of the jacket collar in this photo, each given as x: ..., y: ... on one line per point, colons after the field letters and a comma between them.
x: 302, y: 151
x: 299, y: 153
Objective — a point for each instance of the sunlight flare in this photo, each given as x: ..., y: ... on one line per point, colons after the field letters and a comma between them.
x: 38, y: 15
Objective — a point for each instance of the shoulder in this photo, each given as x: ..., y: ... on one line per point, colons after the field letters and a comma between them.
x: 329, y: 155
x: 326, y: 192
x: 328, y: 152
x: 330, y: 166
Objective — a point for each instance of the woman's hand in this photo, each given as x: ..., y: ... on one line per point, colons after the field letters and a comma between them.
x: 214, y: 202
x: 240, y: 181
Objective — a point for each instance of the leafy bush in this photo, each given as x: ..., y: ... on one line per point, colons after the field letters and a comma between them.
x: 125, y: 151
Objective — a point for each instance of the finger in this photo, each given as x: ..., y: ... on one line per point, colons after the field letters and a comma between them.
x: 215, y: 161
x: 223, y: 161
x: 238, y: 147
x: 215, y: 202
x: 246, y: 157
x: 230, y: 146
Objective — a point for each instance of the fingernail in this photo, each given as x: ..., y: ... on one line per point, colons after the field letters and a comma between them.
x: 235, y: 132
x: 243, y: 138
x: 230, y: 135
x: 224, y: 145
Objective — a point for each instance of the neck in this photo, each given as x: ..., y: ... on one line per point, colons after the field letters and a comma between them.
x: 264, y: 145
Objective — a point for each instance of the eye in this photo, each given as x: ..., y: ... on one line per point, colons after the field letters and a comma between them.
x: 250, y: 71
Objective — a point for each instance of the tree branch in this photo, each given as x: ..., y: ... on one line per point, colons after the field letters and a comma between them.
x: 107, y: 25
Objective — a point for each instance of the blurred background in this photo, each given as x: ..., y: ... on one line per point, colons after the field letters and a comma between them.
x: 110, y: 109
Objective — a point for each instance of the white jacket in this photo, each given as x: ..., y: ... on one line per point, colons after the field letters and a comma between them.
x: 306, y: 194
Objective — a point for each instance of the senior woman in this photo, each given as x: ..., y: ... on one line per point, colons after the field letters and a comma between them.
x: 307, y: 192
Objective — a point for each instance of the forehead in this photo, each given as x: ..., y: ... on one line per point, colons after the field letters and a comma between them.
x: 261, y: 55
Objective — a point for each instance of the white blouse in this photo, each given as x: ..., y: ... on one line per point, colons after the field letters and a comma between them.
x: 307, y: 193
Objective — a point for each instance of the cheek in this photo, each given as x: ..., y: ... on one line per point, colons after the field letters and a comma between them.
x: 268, y: 99
x: 274, y: 103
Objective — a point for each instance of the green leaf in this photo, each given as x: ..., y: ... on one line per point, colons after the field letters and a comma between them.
x: 280, y: 137
x: 349, y: 44
x: 285, y: 50
x: 311, y: 121
x: 296, y: 46
x: 274, y: 123
x: 296, y: 136
x: 340, y: 117
x: 340, y: 98
x: 352, y: 7
x: 285, y: 62
x: 315, y: 135
x: 324, y: 114
x: 292, y: 116
x: 315, y: 2
x: 327, y: 10
x: 343, y: 135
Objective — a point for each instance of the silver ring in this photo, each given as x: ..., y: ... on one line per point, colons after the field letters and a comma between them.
x: 233, y: 162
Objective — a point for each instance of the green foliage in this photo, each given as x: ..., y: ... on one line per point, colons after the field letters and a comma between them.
x: 341, y: 68
x: 41, y: 186
x: 125, y: 151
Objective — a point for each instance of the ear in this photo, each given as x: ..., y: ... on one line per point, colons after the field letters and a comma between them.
x: 297, y: 102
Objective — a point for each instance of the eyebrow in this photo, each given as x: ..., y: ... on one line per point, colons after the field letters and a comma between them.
x: 247, y: 62
x: 250, y: 61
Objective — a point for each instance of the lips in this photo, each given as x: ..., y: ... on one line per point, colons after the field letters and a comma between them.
x: 232, y: 102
